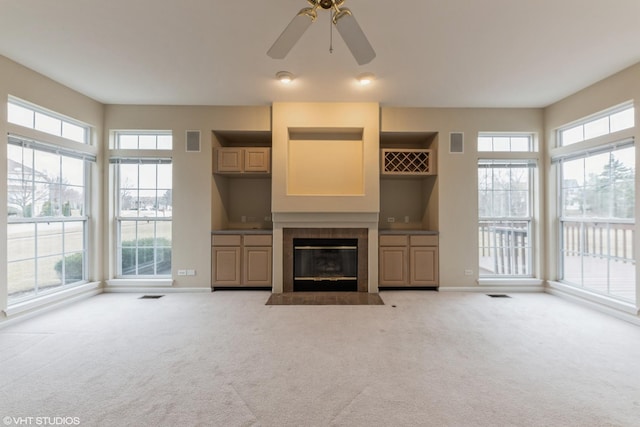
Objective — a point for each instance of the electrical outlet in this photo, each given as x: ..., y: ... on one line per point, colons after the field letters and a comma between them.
x: 406, y: 219
x: 391, y: 219
x: 182, y: 272
x: 191, y: 272
x: 243, y: 218
x: 468, y: 272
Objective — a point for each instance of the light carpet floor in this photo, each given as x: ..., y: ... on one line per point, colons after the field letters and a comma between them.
x: 227, y: 359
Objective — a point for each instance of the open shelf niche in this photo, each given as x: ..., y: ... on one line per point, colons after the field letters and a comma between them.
x: 408, y: 181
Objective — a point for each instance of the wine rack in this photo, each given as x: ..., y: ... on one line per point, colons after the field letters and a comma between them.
x: 408, y: 161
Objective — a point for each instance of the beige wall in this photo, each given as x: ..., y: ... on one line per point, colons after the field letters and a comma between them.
x: 457, y: 175
x: 197, y: 199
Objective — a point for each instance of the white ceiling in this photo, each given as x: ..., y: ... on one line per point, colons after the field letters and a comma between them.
x: 430, y: 53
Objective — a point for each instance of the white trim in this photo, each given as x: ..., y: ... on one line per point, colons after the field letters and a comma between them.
x: 591, y: 298
x: 511, y: 281
x: 154, y: 290
x: 597, y: 306
x: 491, y: 289
x: 140, y: 283
x: 32, y: 307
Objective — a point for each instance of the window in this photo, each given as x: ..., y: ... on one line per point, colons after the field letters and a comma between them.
x: 505, y: 143
x: 47, y: 223
x: 27, y: 115
x: 611, y: 121
x: 597, y: 219
x: 144, y: 210
x: 143, y: 204
x: 140, y: 140
x: 505, y: 217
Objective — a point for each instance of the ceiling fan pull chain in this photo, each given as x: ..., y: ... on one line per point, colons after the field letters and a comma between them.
x: 330, y: 34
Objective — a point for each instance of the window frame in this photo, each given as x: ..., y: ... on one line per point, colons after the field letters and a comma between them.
x: 582, y: 151
x: 585, y: 121
x: 87, y: 159
x: 37, y: 111
x: 118, y: 134
x: 532, y: 145
x: 529, y: 219
x: 119, y: 157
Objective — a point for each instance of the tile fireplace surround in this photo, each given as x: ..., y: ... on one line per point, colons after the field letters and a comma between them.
x: 361, y: 234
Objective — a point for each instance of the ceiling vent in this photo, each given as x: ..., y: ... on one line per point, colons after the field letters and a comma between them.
x: 456, y: 142
x: 193, y: 141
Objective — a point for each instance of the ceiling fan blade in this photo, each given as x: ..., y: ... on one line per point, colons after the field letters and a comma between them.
x: 354, y: 37
x: 292, y: 33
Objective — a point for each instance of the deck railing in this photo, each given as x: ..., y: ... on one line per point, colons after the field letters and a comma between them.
x: 599, y: 239
x: 505, y: 247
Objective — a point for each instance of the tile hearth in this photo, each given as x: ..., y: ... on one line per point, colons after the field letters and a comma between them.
x: 325, y: 298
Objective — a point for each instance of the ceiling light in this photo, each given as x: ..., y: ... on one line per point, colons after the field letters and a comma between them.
x: 284, y: 77
x: 366, y: 78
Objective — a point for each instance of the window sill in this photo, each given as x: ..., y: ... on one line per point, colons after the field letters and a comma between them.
x: 509, y: 281
x: 62, y: 296
x: 592, y: 299
x: 142, y: 282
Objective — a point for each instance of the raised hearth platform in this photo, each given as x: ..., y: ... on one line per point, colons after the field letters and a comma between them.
x: 325, y: 298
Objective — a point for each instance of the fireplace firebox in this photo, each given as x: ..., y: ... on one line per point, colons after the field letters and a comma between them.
x: 338, y: 236
x: 325, y: 264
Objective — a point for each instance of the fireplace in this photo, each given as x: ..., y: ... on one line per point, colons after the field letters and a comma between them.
x: 325, y: 259
x: 325, y: 264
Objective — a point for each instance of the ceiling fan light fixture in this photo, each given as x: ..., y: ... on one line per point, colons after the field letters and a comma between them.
x: 366, y: 78
x: 342, y: 19
x: 284, y: 77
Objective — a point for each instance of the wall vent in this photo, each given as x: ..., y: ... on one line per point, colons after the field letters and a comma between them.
x: 456, y: 142
x: 193, y: 141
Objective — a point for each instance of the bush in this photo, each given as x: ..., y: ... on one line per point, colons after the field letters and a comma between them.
x: 145, y: 249
x: 146, y: 261
x: 72, y: 268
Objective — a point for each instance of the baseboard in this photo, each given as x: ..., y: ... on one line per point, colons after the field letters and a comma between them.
x: 37, y: 306
x: 493, y: 289
x: 152, y: 289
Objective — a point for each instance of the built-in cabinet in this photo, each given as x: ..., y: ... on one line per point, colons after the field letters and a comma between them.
x: 241, y: 181
x: 237, y: 160
x: 408, y: 260
x: 241, y: 260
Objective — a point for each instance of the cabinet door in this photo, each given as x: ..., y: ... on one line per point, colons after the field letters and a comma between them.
x: 393, y: 266
x: 257, y: 159
x: 424, y: 266
x: 257, y: 266
x: 225, y: 264
x: 229, y: 159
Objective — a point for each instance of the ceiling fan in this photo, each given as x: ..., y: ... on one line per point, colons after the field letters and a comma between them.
x: 342, y: 18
